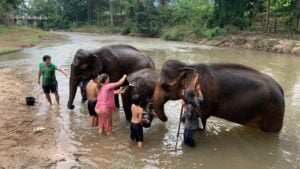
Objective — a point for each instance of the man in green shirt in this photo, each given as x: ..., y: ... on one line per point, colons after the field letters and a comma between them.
x: 49, y: 83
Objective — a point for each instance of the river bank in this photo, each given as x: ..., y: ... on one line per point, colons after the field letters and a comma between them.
x: 255, y: 42
x: 25, y: 141
x: 15, y: 38
x: 277, y: 43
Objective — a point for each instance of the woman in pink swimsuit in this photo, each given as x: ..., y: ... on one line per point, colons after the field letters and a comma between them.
x: 106, y: 102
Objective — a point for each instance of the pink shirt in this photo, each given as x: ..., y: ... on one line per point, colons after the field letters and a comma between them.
x: 106, y: 96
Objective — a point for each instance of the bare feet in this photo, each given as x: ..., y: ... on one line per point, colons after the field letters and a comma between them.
x: 108, y: 133
x: 100, y: 131
x: 140, y: 144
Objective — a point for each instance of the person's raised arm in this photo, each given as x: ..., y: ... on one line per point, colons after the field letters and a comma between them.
x: 39, y: 77
x: 62, y: 71
x: 122, y: 80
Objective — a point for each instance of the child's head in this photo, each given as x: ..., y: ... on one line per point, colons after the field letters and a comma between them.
x: 47, y: 59
x: 136, y: 99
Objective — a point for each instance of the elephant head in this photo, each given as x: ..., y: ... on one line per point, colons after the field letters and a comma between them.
x: 84, y: 67
x: 176, y: 77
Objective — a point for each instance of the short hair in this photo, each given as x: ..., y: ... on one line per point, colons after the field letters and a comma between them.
x: 136, y: 99
x: 46, y: 57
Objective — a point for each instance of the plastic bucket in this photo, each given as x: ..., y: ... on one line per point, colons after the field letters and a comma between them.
x: 30, y: 101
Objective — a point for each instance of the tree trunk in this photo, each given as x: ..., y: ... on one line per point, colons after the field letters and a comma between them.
x: 268, y: 16
x: 111, y: 13
x: 296, y: 14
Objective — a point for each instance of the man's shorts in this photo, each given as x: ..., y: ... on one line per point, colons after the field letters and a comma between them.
x: 136, y: 130
x: 91, y: 107
x: 50, y: 88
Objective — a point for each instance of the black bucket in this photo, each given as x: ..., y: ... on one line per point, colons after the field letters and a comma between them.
x: 147, y: 117
x: 30, y: 101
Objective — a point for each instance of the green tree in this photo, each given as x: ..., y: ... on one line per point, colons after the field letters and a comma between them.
x: 147, y: 18
x: 6, y: 7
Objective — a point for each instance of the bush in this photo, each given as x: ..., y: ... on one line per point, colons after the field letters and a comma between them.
x: 216, y: 31
x: 241, y: 23
x: 57, y: 22
x: 115, y: 29
x: 177, y: 33
x: 126, y: 30
x: 173, y: 34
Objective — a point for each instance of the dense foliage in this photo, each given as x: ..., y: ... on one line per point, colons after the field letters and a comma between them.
x: 171, y: 19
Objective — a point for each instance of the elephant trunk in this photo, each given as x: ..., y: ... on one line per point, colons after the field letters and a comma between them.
x: 159, y: 100
x: 72, y: 89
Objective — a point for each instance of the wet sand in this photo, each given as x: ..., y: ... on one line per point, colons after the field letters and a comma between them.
x: 25, y: 141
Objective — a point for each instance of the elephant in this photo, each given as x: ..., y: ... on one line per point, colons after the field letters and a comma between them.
x: 115, y: 60
x: 142, y: 83
x: 233, y: 92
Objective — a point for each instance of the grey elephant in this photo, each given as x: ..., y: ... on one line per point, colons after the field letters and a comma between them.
x: 115, y: 60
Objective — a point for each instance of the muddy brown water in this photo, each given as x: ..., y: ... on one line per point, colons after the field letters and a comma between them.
x: 223, y: 145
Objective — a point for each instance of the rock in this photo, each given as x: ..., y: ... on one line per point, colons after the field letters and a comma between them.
x: 296, y: 51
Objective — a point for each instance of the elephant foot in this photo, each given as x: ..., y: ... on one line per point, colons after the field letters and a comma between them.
x: 71, y: 107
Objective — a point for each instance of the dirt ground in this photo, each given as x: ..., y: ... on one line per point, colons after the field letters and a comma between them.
x: 25, y: 141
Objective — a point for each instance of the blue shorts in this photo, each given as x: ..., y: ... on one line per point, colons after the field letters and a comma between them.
x: 91, y: 107
x: 136, y: 132
x: 50, y: 88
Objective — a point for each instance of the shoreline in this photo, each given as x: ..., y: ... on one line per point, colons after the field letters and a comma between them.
x: 16, y: 38
x: 274, y: 43
x: 266, y: 44
x: 24, y: 138
x: 258, y: 42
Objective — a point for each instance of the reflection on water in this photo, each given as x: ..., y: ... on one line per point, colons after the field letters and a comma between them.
x: 222, y: 145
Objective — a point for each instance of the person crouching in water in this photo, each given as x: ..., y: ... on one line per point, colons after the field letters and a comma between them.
x: 191, y: 124
x: 136, y: 128
x: 91, y: 92
x: 106, y: 102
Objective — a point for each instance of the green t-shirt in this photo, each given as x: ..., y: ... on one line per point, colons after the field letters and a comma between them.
x: 48, y: 74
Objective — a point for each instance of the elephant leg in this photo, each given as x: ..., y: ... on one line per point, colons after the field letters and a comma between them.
x: 117, y: 101
x: 82, y: 86
x: 126, y: 100
x: 272, y: 119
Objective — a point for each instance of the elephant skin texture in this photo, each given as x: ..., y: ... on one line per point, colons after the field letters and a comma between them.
x: 115, y: 60
x: 233, y: 92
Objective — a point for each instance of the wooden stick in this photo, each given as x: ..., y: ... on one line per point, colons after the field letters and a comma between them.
x: 178, y: 127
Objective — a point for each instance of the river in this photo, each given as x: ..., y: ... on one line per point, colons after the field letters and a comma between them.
x: 224, y: 145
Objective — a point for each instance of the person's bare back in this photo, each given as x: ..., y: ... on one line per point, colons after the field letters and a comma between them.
x: 137, y: 113
x: 91, y: 90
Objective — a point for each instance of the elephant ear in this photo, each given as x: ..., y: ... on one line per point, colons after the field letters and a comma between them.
x: 189, y: 78
x: 96, y: 65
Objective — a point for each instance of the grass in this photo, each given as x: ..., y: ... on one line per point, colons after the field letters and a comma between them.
x: 96, y: 29
x: 14, y: 38
x: 4, y: 50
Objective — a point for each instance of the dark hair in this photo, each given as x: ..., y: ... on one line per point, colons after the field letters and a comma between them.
x: 101, y: 80
x: 189, y: 96
x: 136, y: 99
x: 46, y: 57
x: 95, y: 77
